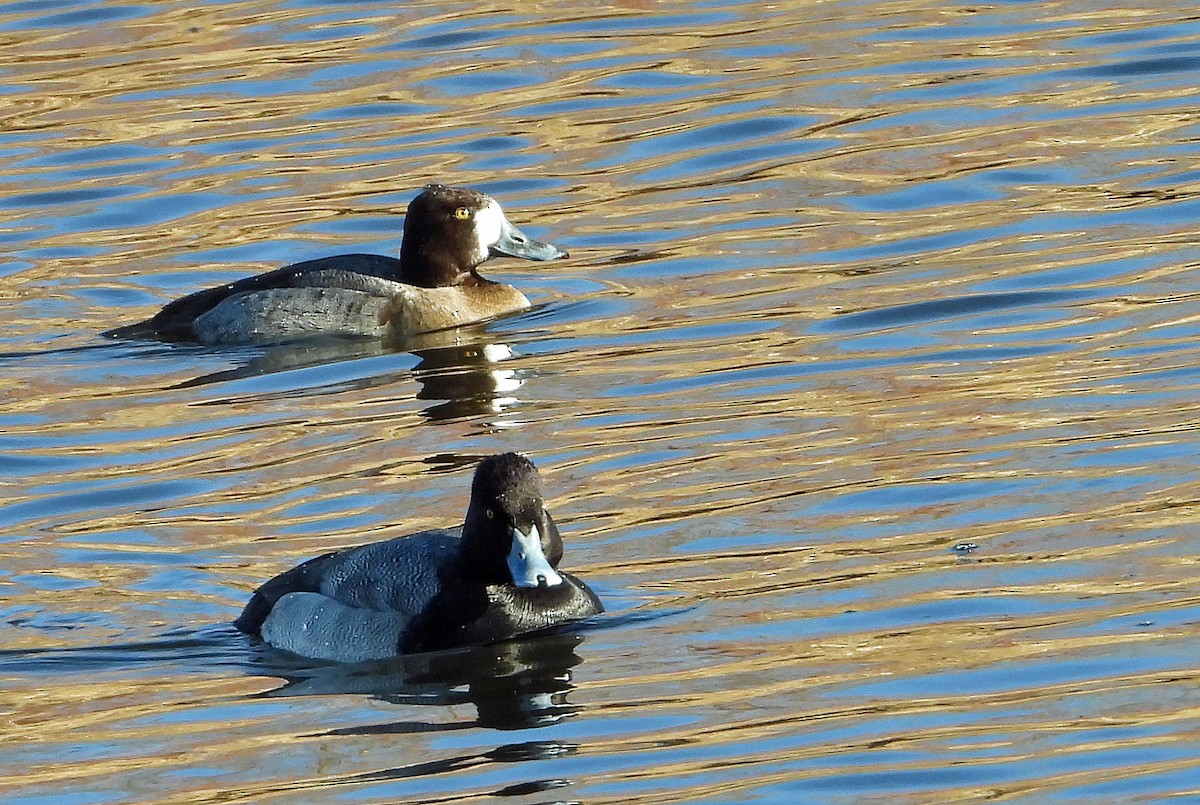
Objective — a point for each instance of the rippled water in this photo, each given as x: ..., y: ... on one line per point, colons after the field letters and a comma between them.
x: 868, y: 400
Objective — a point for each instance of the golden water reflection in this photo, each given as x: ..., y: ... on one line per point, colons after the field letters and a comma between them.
x: 851, y: 285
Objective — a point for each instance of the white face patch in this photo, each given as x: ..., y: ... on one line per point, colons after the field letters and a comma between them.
x: 489, y: 223
x: 528, y: 564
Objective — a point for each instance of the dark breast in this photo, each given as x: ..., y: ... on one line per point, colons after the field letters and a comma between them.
x: 499, y: 612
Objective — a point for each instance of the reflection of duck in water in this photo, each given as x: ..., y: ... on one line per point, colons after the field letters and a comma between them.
x: 448, y: 233
x: 468, y: 380
x: 490, y: 580
x: 461, y: 380
x: 516, y: 684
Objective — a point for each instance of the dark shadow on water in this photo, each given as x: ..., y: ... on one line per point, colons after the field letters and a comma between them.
x: 273, y: 359
x: 459, y: 380
x: 515, y: 685
x: 200, y: 649
x: 1139, y: 67
x: 460, y: 370
x: 77, y: 350
x: 941, y: 309
x: 506, y: 753
x: 518, y: 684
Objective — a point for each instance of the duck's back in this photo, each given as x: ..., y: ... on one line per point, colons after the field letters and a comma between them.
x: 350, y: 309
x: 402, y: 574
x: 178, y: 320
x: 354, y: 604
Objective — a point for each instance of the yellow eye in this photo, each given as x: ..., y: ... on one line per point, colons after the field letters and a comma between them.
x: 462, y: 213
x: 488, y: 513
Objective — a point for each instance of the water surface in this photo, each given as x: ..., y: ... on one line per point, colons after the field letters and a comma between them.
x: 867, y: 401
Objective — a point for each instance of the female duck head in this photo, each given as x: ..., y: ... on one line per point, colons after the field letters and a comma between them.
x: 508, y: 534
x: 449, y: 231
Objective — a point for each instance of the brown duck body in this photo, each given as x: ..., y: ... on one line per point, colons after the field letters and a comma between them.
x: 434, y: 284
x: 373, y: 307
x: 416, y: 310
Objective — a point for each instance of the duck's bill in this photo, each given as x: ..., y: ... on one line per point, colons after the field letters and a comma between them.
x: 515, y: 243
x: 527, y: 563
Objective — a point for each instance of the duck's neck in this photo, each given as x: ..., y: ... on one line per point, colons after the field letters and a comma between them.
x: 477, y: 562
x: 428, y: 269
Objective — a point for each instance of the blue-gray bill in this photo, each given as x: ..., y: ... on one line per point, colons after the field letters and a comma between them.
x: 515, y: 243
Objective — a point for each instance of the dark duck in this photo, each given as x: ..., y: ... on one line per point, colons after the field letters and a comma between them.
x: 493, y: 578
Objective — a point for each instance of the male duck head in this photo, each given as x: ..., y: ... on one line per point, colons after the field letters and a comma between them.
x: 450, y: 231
x: 508, y: 532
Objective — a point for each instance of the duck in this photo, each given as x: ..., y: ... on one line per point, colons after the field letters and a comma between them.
x: 434, y: 284
x: 491, y: 579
